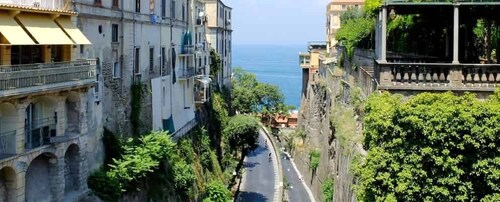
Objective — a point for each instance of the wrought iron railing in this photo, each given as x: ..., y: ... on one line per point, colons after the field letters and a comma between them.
x: 39, y: 132
x: 44, y: 4
x: 186, y: 73
x: 187, y: 128
x: 7, y: 144
x: 187, y: 49
x: 40, y: 74
x: 441, y: 1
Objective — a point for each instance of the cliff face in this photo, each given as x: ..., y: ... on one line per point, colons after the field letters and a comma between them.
x: 331, y: 119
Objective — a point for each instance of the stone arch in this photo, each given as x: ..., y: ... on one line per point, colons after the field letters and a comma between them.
x: 8, y: 129
x: 41, y: 178
x: 73, y: 113
x: 72, y: 170
x: 7, y: 184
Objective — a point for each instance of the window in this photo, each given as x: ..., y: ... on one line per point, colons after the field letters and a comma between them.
x: 97, y: 3
x: 183, y: 13
x: 114, y: 33
x: 221, y: 12
x: 356, y: 6
x: 163, y: 8
x: 151, y: 59
x: 151, y: 6
x: 344, y: 7
x: 115, y: 4
x: 172, y: 10
x: 116, y: 65
x: 136, y: 60
x: 138, y: 6
x: 98, y: 72
x: 82, y: 49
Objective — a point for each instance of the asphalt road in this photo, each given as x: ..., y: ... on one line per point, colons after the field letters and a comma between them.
x: 258, y: 183
x: 296, y: 190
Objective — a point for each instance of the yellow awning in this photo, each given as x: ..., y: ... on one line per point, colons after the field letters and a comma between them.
x: 72, y: 30
x: 13, y: 32
x: 44, y: 29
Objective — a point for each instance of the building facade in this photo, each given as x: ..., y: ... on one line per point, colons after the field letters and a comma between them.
x: 219, y: 36
x: 48, y: 129
x: 333, y: 12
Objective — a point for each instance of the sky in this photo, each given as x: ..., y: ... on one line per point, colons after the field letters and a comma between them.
x: 278, y: 22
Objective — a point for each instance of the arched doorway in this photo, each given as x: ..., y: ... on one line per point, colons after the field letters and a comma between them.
x: 73, y: 113
x: 39, y: 176
x: 72, y: 162
x: 40, y: 122
x: 7, y: 184
x: 8, y: 127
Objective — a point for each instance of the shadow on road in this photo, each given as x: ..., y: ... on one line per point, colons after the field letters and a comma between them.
x: 257, y: 151
x: 250, y: 164
x: 251, y: 197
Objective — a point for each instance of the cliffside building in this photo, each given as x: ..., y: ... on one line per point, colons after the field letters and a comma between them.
x: 48, y: 127
x: 333, y: 12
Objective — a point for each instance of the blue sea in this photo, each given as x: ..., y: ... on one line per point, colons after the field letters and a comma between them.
x: 274, y: 64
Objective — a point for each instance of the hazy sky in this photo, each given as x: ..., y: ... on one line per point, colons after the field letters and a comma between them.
x: 277, y: 21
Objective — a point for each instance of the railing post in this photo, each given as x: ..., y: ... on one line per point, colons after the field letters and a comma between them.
x: 455, y: 76
x: 456, y: 31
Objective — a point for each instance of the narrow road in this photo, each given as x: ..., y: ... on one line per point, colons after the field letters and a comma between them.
x: 295, y: 188
x: 258, y: 181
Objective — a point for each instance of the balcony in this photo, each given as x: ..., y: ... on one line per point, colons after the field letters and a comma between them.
x: 186, y: 73
x: 63, y: 5
x: 7, y: 144
x: 187, y: 51
x: 39, y: 132
x: 439, y: 77
x: 29, y: 78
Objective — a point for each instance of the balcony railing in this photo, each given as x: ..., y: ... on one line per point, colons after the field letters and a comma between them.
x: 7, y: 144
x: 186, y: 73
x: 19, y: 79
x: 188, y: 127
x: 439, y: 76
x: 39, y: 132
x: 40, y: 4
x: 439, y: 1
x: 187, y: 50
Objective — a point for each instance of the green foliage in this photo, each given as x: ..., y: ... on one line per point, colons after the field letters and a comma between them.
x: 433, y: 147
x: 327, y: 189
x: 217, y: 192
x: 314, y: 158
x: 138, y: 91
x: 371, y: 7
x: 353, y: 31
x: 103, y: 186
x: 215, y: 63
x: 112, y: 147
x: 350, y: 14
x: 242, y: 132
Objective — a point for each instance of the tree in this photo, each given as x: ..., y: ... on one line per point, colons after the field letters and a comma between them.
x: 242, y: 132
x: 433, y: 147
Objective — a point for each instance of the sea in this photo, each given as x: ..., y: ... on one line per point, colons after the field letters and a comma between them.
x: 273, y: 64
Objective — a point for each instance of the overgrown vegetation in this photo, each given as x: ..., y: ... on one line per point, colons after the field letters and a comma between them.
x: 215, y: 63
x: 327, y: 189
x: 433, y: 147
x: 217, y: 192
x: 138, y: 91
x: 314, y: 159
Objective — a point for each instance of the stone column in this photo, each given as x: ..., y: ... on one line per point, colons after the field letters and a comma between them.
x: 20, y: 186
x: 456, y: 30
x: 56, y: 178
x: 383, y: 41
x: 4, y: 53
x: 61, y: 115
x: 46, y: 53
x: 83, y: 112
x: 83, y: 167
x: 20, y: 131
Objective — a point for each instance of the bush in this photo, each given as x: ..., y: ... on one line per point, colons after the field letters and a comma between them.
x: 314, y: 158
x: 327, y: 189
x: 217, y: 192
x: 106, y: 188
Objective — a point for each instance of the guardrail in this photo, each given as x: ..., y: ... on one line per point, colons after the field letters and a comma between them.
x: 7, y: 144
x: 188, y: 127
x: 186, y: 73
x: 39, y: 132
x: 45, y: 4
x: 40, y: 74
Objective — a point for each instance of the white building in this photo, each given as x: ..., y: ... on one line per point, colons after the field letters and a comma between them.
x: 219, y: 36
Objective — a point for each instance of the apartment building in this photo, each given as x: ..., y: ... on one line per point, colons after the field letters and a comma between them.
x: 158, y: 44
x: 333, y: 12
x: 219, y: 36
x: 48, y: 131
